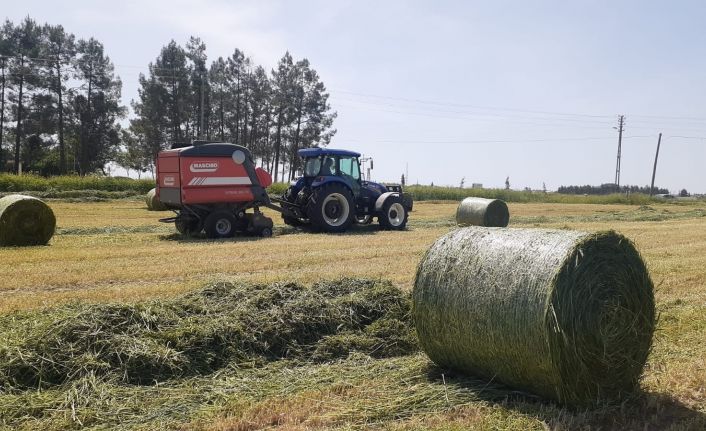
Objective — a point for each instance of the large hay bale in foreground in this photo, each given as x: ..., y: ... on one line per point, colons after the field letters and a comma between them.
x: 567, y: 315
x: 152, y: 201
x: 25, y: 220
x: 482, y: 212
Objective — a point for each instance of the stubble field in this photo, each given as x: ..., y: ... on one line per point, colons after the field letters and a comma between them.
x: 117, y: 252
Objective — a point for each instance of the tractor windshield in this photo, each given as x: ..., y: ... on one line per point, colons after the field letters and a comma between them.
x: 312, y: 167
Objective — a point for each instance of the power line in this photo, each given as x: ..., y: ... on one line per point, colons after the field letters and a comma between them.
x: 466, y: 112
x: 700, y: 138
x: 496, y: 141
x: 431, y: 102
x: 465, y: 118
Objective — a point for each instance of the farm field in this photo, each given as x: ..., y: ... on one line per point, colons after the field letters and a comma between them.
x: 117, y: 252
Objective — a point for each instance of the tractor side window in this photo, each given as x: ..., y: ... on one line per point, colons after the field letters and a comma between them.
x: 355, y: 171
x: 349, y: 167
x: 312, y: 167
x: 329, y: 167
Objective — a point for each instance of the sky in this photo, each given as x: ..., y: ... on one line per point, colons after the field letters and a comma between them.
x: 457, y: 90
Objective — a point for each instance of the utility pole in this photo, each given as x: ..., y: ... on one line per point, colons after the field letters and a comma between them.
x: 621, y: 126
x: 654, y: 170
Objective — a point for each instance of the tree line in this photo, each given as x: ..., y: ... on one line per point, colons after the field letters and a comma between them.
x: 59, y: 101
x: 231, y: 100
x: 60, y: 108
x: 606, y: 189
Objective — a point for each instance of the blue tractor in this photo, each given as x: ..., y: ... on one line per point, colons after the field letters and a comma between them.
x: 331, y: 195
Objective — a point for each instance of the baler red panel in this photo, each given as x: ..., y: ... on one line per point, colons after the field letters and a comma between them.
x: 167, y: 171
x: 263, y: 177
x: 214, y: 180
x: 169, y: 179
x: 168, y: 162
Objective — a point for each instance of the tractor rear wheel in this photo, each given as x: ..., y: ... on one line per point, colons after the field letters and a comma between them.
x: 394, y: 214
x: 220, y: 224
x: 330, y: 208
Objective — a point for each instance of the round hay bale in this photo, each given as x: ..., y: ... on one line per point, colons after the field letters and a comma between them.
x: 567, y: 315
x: 153, y: 203
x: 25, y: 220
x: 482, y: 212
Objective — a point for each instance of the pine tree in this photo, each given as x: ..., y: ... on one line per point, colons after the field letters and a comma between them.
x: 59, y: 49
x: 200, y: 91
x: 26, y: 40
x: 6, y: 52
x: 217, y: 78
x: 97, y: 109
x: 282, y: 104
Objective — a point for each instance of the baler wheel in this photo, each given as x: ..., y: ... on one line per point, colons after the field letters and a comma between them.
x: 220, y: 224
x: 188, y: 227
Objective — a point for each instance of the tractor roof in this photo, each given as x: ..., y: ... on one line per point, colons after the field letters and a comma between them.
x: 316, y: 152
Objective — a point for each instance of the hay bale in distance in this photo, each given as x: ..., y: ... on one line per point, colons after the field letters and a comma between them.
x: 25, y: 220
x: 153, y: 203
x: 482, y: 212
x: 567, y: 315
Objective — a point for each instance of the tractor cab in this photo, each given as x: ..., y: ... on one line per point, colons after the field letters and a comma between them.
x: 324, y: 163
x: 331, y: 194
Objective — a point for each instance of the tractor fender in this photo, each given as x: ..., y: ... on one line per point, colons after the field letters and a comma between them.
x: 382, y: 198
x: 328, y: 180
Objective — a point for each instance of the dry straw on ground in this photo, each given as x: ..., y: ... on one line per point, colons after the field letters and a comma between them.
x: 152, y: 201
x: 564, y: 314
x: 25, y: 220
x: 482, y: 212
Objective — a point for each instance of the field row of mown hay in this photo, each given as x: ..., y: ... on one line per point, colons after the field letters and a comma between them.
x: 70, y: 351
x: 337, y: 354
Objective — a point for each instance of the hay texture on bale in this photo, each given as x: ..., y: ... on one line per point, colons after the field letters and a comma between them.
x: 567, y: 315
x: 482, y: 212
x: 153, y: 203
x: 25, y: 220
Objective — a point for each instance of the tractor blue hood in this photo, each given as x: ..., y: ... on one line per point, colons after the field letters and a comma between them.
x: 379, y: 188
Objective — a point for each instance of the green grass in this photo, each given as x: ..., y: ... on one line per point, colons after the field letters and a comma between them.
x: 101, y: 188
x: 434, y: 193
x: 428, y: 193
x: 15, y: 183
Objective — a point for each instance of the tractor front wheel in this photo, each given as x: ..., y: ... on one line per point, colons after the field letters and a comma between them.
x: 394, y: 214
x: 220, y: 224
x: 330, y: 208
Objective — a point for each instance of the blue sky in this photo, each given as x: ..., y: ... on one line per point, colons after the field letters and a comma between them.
x: 479, y: 90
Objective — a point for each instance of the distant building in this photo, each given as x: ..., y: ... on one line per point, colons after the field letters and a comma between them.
x: 477, y: 186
